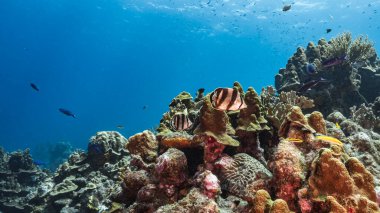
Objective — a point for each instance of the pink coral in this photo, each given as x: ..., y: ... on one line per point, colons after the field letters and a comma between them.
x: 171, y: 167
x: 211, y: 185
x: 288, y: 172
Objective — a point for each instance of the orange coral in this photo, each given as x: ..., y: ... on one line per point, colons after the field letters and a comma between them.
x: 178, y: 140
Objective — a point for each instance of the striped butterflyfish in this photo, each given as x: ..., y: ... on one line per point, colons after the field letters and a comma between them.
x: 227, y: 99
x: 181, y: 122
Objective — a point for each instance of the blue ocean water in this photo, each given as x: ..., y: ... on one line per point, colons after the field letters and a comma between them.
x: 106, y: 60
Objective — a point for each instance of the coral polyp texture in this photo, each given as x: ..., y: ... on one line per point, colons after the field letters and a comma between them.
x: 311, y: 146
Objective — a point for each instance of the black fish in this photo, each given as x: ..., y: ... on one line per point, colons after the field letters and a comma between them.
x: 286, y: 7
x: 334, y: 61
x: 181, y: 122
x: 66, y: 112
x: 310, y: 84
x: 200, y: 94
x: 328, y: 30
x: 144, y: 107
x: 227, y: 99
x: 39, y: 163
x: 34, y: 87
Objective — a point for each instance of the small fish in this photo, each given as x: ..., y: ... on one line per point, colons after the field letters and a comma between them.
x: 227, y: 99
x: 144, y: 107
x: 329, y: 139
x: 328, y: 30
x: 310, y: 68
x: 120, y: 126
x: 67, y: 112
x: 200, y: 92
x: 310, y: 84
x: 181, y: 122
x: 337, y: 125
x: 294, y: 140
x: 286, y: 7
x: 39, y: 163
x: 34, y: 87
x: 334, y: 61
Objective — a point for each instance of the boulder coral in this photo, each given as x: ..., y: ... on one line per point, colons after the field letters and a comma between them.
x: 143, y: 144
x: 102, y: 144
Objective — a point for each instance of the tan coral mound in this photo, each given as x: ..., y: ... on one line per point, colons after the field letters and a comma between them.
x: 350, y: 184
x: 263, y: 203
x: 143, y: 144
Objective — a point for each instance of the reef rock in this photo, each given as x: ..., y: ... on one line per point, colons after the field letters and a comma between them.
x: 195, y: 201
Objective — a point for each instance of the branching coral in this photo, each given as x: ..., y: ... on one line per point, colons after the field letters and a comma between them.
x: 277, y: 107
x: 339, y: 46
x: 360, y: 49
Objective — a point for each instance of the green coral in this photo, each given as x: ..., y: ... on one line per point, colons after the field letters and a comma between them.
x: 250, y: 118
x: 361, y: 49
x: 339, y: 46
x: 358, y: 50
x: 277, y: 107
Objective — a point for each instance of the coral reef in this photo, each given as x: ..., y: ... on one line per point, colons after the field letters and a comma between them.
x: 276, y: 154
x: 345, y: 87
x: 20, y: 184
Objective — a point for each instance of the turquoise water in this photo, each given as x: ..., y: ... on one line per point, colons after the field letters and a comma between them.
x: 106, y: 60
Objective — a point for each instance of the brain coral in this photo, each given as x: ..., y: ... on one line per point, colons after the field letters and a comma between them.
x: 242, y: 175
